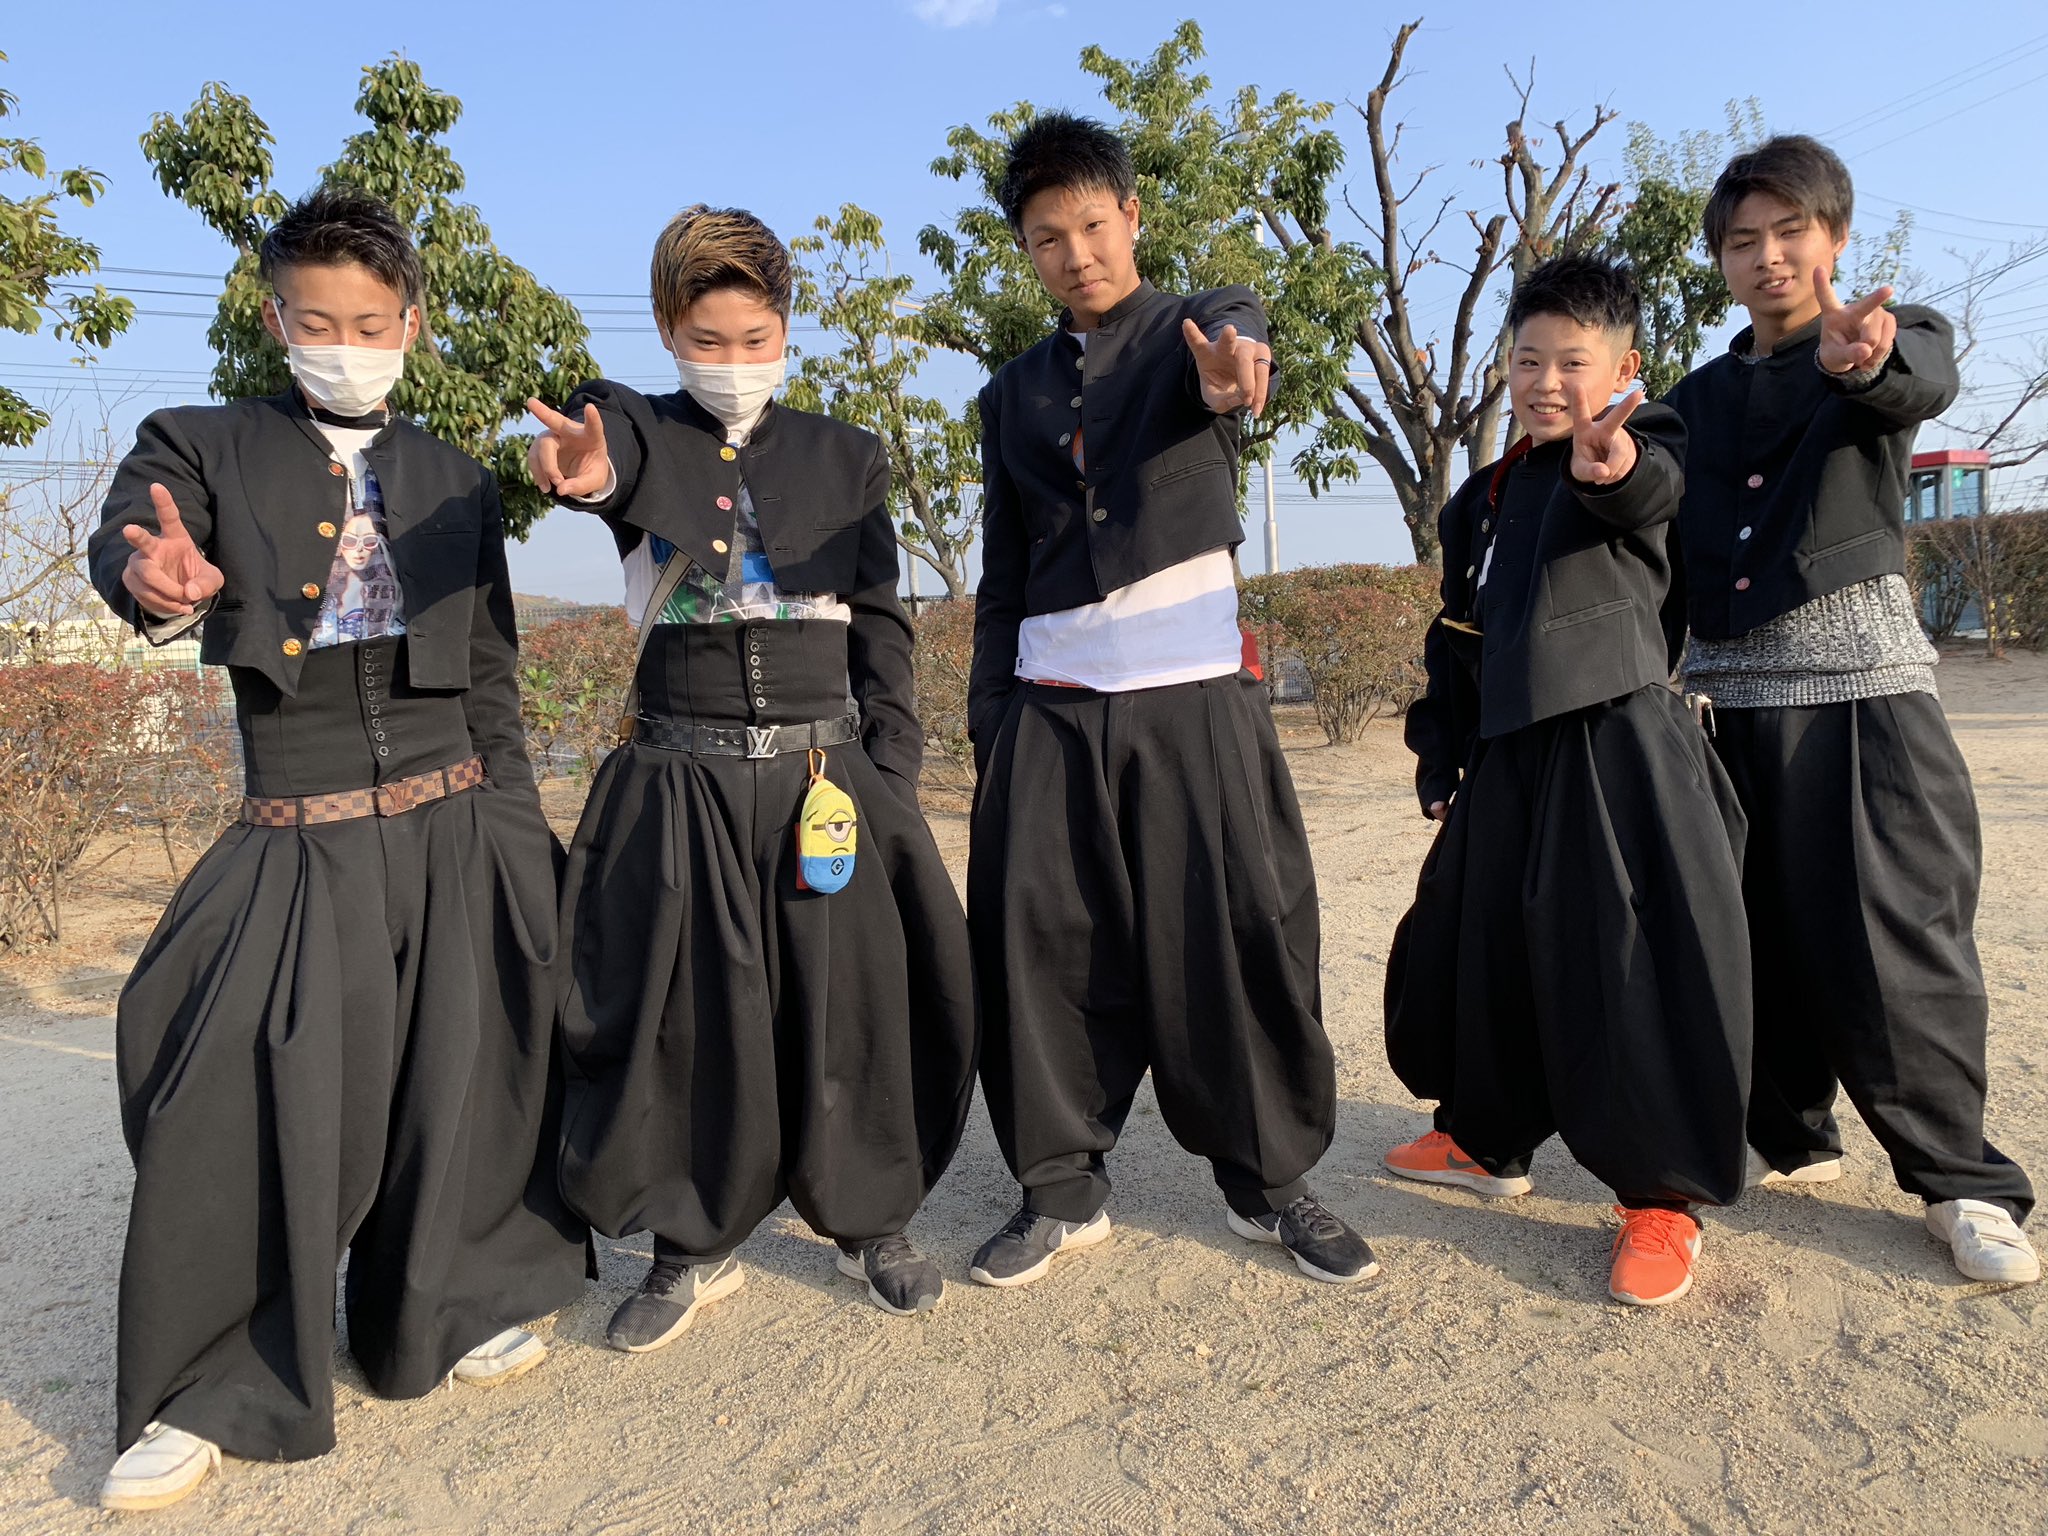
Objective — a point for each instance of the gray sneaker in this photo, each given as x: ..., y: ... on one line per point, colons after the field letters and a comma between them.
x: 900, y: 1280
x: 1023, y: 1250
x: 669, y: 1298
x: 1324, y: 1248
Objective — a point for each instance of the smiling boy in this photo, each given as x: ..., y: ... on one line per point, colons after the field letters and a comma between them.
x: 1139, y: 882
x: 1575, y: 960
x: 1864, y: 856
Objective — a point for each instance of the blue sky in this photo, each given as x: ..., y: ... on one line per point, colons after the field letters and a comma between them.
x: 585, y: 128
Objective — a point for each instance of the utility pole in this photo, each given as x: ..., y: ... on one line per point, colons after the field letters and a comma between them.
x: 1272, y: 523
x: 1272, y: 515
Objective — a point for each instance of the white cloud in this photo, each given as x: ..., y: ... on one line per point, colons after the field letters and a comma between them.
x: 956, y: 13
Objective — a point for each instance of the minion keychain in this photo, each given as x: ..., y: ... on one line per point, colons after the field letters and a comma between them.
x: 827, y: 832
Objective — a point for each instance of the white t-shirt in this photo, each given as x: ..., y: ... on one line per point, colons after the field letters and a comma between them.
x: 1178, y: 625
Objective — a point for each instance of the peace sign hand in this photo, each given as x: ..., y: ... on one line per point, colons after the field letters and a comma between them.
x: 1853, y: 337
x: 569, y: 458
x: 1603, y: 450
x: 1236, y: 372
x: 166, y: 573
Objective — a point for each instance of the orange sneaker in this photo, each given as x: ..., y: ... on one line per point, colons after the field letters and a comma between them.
x: 1653, y: 1256
x: 1436, y: 1159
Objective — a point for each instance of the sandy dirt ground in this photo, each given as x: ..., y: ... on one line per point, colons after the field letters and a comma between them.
x: 1830, y: 1372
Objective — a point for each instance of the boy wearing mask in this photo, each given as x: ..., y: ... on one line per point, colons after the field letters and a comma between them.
x: 337, y: 1040
x: 753, y: 1014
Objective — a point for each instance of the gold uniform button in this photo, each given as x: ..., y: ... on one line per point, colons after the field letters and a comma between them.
x: 728, y: 454
x: 718, y: 546
x: 292, y: 647
x: 309, y: 590
x: 336, y: 469
x: 327, y: 530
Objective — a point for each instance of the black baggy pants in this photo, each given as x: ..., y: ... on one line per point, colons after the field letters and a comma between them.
x: 1864, y: 865
x: 1140, y: 893
x: 1576, y: 959
x: 339, y: 1041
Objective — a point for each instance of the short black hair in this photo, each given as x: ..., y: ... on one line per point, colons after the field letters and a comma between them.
x: 335, y: 224
x: 1794, y: 169
x: 1597, y: 293
x: 1058, y: 149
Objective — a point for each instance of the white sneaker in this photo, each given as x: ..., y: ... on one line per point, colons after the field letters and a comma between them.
x: 1758, y: 1173
x: 159, y: 1469
x: 1987, y: 1243
x: 499, y: 1358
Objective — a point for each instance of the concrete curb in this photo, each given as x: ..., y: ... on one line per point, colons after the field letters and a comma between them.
x: 53, y: 991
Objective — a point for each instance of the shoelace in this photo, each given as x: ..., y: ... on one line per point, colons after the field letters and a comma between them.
x: 1315, y: 1218
x: 1020, y: 1225
x: 664, y: 1277
x: 1435, y: 1141
x: 1653, y: 1230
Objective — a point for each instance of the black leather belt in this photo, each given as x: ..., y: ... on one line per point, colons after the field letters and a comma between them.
x: 744, y: 740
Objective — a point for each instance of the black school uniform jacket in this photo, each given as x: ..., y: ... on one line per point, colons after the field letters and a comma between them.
x: 821, y: 494
x: 260, y: 492
x: 1572, y: 610
x: 1796, y: 481
x: 1161, y: 480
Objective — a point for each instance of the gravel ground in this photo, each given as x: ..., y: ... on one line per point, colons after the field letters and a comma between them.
x: 1830, y: 1371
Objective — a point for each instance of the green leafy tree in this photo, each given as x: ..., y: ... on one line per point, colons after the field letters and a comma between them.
x: 1659, y: 233
x: 934, y: 453
x: 1204, y: 176
x: 36, y: 261
x: 491, y: 334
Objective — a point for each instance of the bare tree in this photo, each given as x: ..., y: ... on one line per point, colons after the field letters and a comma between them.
x: 2005, y: 423
x: 1426, y: 395
x: 47, y: 602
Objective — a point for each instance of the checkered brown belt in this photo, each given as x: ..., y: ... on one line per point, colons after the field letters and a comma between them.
x: 393, y: 799
x: 744, y: 740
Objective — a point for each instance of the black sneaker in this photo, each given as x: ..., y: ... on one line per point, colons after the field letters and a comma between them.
x: 900, y: 1280
x: 1023, y: 1250
x: 669, y: 1298
x: 1323, y: 1247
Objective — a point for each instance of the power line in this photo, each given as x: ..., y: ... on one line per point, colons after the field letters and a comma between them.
x: 1942, y: 213
x: 1941, y: 87
x: 1971, y: 106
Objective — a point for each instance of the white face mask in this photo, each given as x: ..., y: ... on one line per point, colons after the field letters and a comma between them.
x: 736, y: 393
x: 349, y: 381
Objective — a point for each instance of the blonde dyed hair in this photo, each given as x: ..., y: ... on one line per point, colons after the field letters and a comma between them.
x: 705, y: 248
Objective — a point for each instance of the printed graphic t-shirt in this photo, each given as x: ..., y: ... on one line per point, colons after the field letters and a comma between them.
x: 363, y: 599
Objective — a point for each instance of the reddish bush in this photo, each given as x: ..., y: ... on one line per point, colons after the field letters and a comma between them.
x: 1996, y: 563
x: 573, y: 674
x: 1356, y: 630
x: 942, y: 656
x: 69, y: 739
x: 189, y: 778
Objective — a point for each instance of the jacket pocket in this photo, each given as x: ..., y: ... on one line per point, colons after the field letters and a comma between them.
x: 1187, y: 471
x: 1587, y: 615
x: 1828, y: 552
